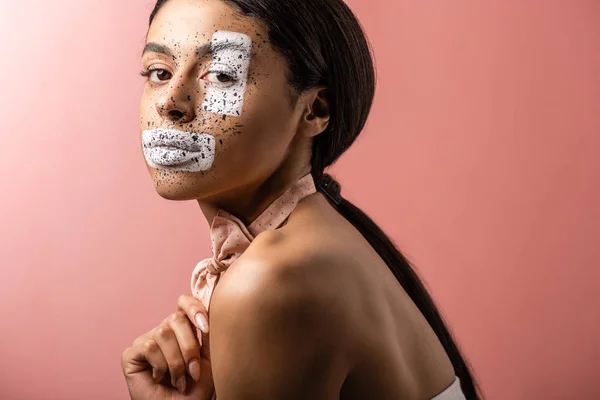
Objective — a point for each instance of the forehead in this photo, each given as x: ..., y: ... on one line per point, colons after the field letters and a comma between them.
x: 189, y: 23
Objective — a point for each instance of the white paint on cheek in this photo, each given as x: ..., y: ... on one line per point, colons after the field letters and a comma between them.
x: 175, y: 150
x: 231, y: 55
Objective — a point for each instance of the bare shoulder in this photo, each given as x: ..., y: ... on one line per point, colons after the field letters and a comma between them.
x: 307, y: 257
x: 274, y: 315
x: 308, y: 261
x: 290, y: 270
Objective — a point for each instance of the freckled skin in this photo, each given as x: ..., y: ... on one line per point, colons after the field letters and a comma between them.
x: 258, y: 153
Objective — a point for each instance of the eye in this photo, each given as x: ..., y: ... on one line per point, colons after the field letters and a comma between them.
x: 157, y: 75
x: 218, y: 77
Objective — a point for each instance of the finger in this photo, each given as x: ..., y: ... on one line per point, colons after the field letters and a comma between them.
x: 145, y: 352
x: 195, y: 311
x: 187, y: 339
x: 133, y: 361
x: 144, y: 356
x: 205, y: 346
x: 143, y: 338
x: 167, y: 341
x: 156, y: 359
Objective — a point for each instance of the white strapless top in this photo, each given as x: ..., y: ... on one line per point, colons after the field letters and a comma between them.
x: 453, y: 392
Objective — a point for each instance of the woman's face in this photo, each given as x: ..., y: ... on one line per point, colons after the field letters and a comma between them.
x: 216, y: 113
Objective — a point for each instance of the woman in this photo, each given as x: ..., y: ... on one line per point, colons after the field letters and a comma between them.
x: 246, y: 103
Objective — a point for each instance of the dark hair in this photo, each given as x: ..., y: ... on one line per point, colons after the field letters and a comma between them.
x: 325, y: 45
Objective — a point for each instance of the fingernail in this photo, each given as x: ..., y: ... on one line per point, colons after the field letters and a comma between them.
x: 181, y: 384
x: 202, y: 322
x: 194, y: 369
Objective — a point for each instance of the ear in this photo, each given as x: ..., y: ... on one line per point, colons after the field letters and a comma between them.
x: 315, y: 116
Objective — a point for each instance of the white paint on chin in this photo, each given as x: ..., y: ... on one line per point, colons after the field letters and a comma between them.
x: 226, y: 99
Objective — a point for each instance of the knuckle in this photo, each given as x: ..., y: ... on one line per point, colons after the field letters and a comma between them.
x: 139, y: 340
x: 178, y: 317
x: 181, y: 300
x: 189, y: 350
x: 150, y: 346
x: 163, y: 331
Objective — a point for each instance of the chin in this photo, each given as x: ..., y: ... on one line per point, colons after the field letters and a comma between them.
x: 173, y: 185
x: 174, y: 194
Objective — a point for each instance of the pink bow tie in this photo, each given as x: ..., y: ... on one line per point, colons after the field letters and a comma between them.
x: 230, y: 237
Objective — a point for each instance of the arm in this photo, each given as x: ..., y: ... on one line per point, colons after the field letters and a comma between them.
x: 275, y: 336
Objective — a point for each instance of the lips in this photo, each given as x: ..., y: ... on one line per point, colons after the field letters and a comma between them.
x: 167, y: 157
x: 189, y: 141
x: 178, y: 150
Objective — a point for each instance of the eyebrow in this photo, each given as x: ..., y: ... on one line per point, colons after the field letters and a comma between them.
x: 208, y: 48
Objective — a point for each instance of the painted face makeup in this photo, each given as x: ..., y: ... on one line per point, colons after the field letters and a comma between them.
x: 175, y: 150
x: 231, y: 56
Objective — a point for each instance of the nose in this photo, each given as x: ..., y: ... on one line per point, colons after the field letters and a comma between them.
x: 176, y: 104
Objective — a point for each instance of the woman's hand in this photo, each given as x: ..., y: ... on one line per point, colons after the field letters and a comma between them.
x: 155, y: 365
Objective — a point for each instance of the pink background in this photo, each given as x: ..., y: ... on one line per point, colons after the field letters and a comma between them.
x: 480, y: 160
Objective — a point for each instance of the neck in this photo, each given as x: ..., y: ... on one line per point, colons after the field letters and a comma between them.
x: 248, y: 201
